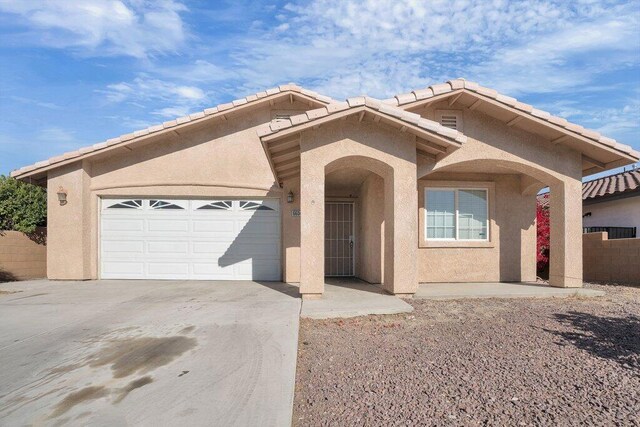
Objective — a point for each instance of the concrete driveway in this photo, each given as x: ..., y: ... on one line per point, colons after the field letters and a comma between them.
x: 147, y: 353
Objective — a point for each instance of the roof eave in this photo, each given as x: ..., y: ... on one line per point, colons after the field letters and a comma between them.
x: 417, y: 99
x: 274, y: 136
x: 38, y: 172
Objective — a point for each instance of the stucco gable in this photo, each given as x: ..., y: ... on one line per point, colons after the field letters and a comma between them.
x: 517, y: 114
x: 362, y: 105
x: 281, y: 138
x: 222, y: 110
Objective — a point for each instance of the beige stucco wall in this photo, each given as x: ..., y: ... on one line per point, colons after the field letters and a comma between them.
x: 23, y: 256
x: 291, y: 232
x: 612, y: 261
x: 370, y: 236
x: 221, y: 158
x: 509, y: 254
x: 71, y: 230
x: 494, y: 147
x: 381, y: 150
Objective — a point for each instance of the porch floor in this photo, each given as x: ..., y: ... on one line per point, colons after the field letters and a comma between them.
x: 350, y: 297
x: 447, y: 291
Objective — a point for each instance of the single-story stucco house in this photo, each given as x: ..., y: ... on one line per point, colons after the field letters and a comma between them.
x: 435, y: 185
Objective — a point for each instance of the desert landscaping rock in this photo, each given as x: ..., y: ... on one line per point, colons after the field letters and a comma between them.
x: 572, y: 361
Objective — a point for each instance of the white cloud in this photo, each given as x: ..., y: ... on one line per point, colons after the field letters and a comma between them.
x: 383, y: 47
x: 166, y: 98
x: 189, y: 92
x: 56, y: 134
x: 346, y: 46
x: 564, y: 59
x: 137, y: 28
x: 619, y: 119
x: 37, y: 103
x: 200, y: 71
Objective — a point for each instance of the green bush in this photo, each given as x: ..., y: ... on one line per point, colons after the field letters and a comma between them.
x: 23, y: 207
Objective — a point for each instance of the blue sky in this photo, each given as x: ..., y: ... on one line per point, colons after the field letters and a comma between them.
x: 75, y: 73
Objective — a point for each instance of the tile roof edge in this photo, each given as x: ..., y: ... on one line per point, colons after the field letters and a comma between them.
x: 375, y: 105
x: 462, y: 84
x: 153, y: 129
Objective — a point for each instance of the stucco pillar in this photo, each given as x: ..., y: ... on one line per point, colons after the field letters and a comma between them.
x: 311, y: 226
x: 69, y: 225
x: 401, y: 232
x: 565, y: 204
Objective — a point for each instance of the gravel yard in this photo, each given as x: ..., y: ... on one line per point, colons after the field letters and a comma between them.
x: 476, y: 362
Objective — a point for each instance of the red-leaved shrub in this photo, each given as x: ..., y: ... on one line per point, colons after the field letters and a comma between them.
x: 542, y: 220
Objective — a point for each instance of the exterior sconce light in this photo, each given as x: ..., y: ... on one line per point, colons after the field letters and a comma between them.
x: 290, y: 197
x: 62, y: 196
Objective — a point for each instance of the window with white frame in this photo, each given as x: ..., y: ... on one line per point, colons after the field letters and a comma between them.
x: 456, y: 214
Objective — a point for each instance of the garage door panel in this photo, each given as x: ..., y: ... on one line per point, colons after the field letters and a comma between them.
x: 169, y: 224
x: 124, y: 247
x: 168, y: 247
x: 214, y: 226
x: 228, y: 240
x: 264, y: 250
x: 257, y: 270
x: 212, y: 249
x: 174, y: 269
x: 123, y: 224
x: 207, y: 270
x: 113, y: 270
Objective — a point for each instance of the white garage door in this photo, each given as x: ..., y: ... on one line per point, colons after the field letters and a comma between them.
x: 190, y: 239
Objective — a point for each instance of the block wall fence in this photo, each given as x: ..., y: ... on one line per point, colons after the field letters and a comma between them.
x: 23, y: 256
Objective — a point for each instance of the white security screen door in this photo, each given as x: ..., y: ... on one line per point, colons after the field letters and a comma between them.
x: 338, y: 239
x: 190, y: 239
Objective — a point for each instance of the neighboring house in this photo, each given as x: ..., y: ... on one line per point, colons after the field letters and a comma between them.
x: 436, y: 185
x: 613, y: 203
x: 610, y: 203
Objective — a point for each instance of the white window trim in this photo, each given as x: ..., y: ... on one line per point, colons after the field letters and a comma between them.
x: 457, y: 222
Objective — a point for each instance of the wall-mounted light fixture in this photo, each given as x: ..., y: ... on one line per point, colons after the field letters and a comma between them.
x: 290, y: 197
x: 62, y: 196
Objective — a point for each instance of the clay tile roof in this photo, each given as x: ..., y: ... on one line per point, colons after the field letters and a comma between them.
x: 613, y: 184
x: 226, y: 108
x: 363, y: 102
x: 460, y: 83
x: 622, y: 182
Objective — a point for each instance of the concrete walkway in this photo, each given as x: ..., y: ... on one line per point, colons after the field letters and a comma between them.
x: 447, y: 291
x: 350, y: 298
x: 148, y: 353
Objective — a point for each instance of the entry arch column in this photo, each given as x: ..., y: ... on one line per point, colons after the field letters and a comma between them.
x: 311, y: 226
x: 565, y: 246
x: 401, y: 231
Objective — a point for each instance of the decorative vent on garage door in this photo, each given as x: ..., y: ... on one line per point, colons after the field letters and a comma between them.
x: 253, y: 206
x: 127, y: 204
x: 223, y: 205
x: 161, y: 204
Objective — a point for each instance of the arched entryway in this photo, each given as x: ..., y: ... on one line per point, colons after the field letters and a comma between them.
x: 383, y: 228
x: 354, y: 218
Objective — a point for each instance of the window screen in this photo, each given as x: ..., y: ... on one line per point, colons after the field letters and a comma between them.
x: 441, y: 214
x: 456, y: 214
x: 472, y: 214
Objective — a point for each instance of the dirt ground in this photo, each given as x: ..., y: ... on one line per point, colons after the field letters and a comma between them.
x: 523, y: 362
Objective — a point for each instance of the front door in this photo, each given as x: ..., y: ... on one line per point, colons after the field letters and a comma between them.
x: 338, y: 239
